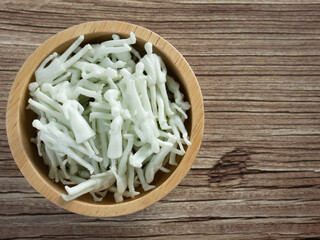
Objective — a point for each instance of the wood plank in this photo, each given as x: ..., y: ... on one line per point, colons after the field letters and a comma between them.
x: 69, y: 226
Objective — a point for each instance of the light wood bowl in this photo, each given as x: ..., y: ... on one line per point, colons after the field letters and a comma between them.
x: 20, y: 130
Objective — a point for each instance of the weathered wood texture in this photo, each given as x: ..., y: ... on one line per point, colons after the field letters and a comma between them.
x: 257, y: 175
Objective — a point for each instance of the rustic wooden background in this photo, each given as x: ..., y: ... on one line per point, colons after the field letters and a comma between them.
x: 258, y: 171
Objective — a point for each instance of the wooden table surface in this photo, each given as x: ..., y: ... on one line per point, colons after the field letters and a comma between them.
x: 257, y: 175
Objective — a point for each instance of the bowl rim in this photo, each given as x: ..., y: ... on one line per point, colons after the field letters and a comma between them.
x: 13, y: 116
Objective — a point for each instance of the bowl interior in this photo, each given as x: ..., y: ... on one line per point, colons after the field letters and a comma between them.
x: 27, y: 116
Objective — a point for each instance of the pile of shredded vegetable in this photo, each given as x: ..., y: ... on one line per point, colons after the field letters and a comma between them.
x: 108, y: 119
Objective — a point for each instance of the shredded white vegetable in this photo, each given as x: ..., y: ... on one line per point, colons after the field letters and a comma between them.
x: 108, y: 119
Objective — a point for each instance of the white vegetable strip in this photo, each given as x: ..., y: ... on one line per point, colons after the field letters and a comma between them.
x: 106, y: 122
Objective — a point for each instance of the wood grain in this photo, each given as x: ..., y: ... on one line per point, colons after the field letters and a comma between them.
x: 257, y: 173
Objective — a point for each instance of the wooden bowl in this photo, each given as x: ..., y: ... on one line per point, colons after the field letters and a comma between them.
x: 20, y: 130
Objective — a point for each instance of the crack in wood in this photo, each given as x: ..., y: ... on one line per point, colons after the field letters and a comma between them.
x: 231, y: 167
